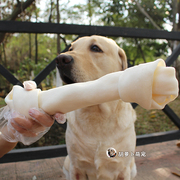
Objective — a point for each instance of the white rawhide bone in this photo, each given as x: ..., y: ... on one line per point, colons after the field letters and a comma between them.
x: 151, y: 85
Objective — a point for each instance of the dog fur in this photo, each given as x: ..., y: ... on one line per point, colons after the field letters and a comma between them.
x: 92, y: 130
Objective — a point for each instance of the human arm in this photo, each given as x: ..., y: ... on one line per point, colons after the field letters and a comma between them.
x: 5, y: 146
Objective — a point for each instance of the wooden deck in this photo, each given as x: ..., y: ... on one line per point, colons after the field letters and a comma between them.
x: 161, y: 161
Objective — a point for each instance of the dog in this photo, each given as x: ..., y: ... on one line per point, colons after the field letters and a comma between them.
x: 91, y: 131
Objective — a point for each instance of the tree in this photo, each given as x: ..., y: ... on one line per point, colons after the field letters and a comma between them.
x: 149, y: 14
x: 17, y: 10
x: 53, y: 13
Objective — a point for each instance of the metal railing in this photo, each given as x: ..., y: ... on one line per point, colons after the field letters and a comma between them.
x: 82, y: 30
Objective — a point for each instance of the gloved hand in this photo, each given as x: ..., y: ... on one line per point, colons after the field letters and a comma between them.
x: 15, y: 127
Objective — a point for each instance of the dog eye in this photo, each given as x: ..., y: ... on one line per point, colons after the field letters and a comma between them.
x: 95, y: 48
x: 70, y: 49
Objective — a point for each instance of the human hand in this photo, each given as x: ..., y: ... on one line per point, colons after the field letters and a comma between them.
x: 28, y: 130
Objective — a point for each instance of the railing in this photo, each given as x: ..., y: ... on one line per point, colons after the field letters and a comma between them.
x: 82, y: 30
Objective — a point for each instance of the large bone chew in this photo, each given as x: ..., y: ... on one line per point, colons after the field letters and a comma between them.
x: 151, y: 85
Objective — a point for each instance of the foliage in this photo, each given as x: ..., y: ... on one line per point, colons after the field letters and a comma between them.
x: 9, y: 8
x: 18, y: 47
x: 2, y: 103
x: 24, y: 67
x: 144, y: 50
x: 126, y: 14
x: 151, y: 121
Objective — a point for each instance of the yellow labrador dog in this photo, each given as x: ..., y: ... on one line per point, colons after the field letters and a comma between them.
x: 93, y: 130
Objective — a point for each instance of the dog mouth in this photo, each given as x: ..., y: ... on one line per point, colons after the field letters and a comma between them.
x: 67, y: 79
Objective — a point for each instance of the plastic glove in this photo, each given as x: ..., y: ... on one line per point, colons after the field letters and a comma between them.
x: 15, y: 127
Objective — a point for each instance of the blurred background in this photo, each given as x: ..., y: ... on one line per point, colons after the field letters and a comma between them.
x: 25, y: 55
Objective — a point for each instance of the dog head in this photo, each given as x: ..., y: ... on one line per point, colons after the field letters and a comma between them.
x: 90, y: 58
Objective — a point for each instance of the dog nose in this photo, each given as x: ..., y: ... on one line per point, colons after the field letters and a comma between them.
x: 64, y: 59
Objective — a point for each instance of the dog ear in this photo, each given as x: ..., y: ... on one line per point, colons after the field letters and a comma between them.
x: 123, y: 58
